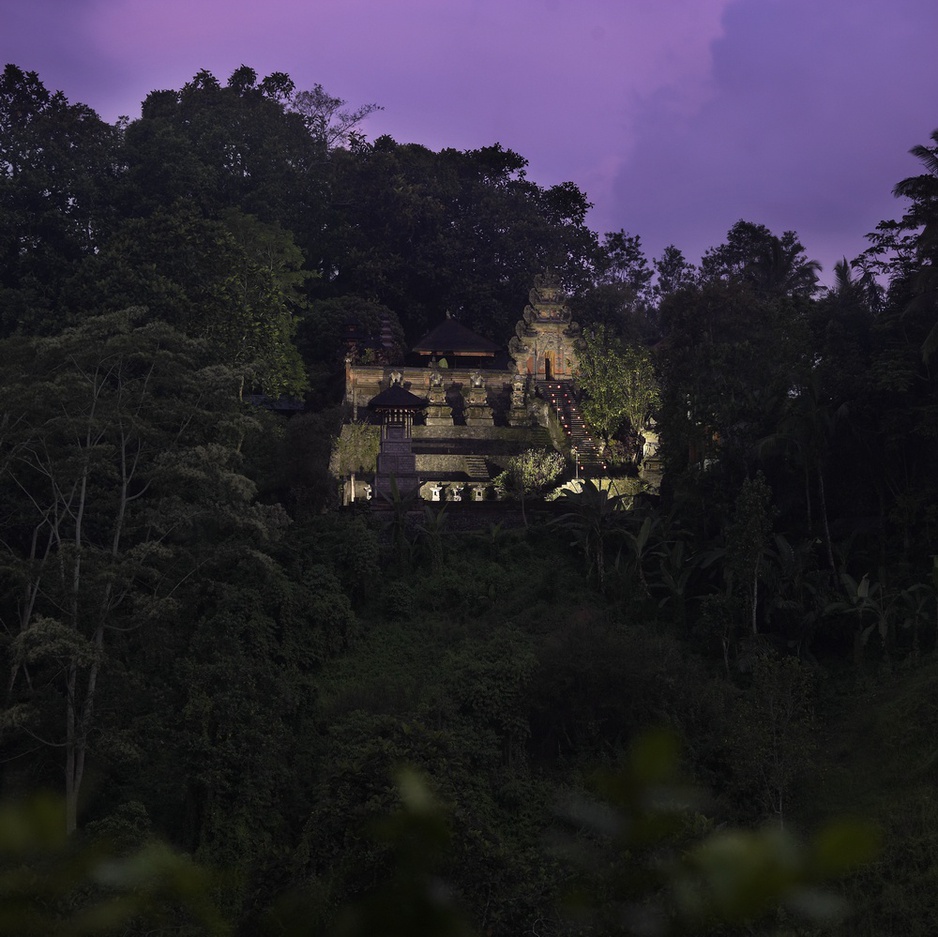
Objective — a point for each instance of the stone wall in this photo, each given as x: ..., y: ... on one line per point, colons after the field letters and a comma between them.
x: 363, y: 382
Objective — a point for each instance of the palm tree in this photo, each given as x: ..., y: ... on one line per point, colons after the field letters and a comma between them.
x: 923, y: 191
x: 431, y: 533
x: 781, y: 268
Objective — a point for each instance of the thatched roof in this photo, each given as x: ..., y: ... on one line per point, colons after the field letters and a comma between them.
x: 450, y: 337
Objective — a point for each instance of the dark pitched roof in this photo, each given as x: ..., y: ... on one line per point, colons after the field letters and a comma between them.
x: 396, y: 398
x: 452, y: 337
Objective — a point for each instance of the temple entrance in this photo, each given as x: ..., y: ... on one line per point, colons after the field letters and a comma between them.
x: 546, y: 336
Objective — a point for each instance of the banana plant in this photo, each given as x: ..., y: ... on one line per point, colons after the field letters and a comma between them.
x: 640, y: 546
x: 594, y: 518
x: 873, y: 608
x: 915, y: 607
x: 675, y: 571
x: 795, y: 587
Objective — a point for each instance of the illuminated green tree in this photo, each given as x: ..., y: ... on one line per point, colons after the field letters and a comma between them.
x: 530, y: 474
x: 619, y: 382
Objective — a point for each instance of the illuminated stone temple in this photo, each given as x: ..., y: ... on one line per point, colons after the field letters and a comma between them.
x: 451, y: 417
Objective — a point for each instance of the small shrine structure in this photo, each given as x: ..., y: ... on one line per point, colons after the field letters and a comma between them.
x: 396, y: 407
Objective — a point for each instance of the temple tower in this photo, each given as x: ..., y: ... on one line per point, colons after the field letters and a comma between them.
x: 544, y: 343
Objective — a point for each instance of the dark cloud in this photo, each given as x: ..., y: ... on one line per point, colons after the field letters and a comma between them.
x: 54, y: 38
x: 813, y: 108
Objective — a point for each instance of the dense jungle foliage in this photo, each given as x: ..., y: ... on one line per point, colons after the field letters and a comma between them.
x: 357, y: 722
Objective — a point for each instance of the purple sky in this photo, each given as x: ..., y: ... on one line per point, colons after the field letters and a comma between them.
x: 677, y: 117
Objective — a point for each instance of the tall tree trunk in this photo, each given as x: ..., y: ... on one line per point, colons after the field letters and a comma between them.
x: 601, y: 563
x: 807, y: 496
x: 827, y: 530
x: 71, y: 745
x: 755, y: 597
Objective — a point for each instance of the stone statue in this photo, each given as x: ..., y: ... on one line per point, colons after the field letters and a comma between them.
x: 652, y: 443
x: 651, y: 468
x: 439, y: 412
x: 478, y: 411
x: 517, y: 392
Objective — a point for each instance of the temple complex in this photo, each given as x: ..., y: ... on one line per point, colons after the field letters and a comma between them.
x: 451, y: 418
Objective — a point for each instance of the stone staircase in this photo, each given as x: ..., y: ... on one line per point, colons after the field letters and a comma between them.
x: 559, y: 397
x: 476, y: 468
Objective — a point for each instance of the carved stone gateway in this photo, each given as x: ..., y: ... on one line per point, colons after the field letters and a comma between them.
x: 544, y: 342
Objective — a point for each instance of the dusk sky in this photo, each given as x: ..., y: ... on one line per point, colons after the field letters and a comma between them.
x: 676, y: 117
